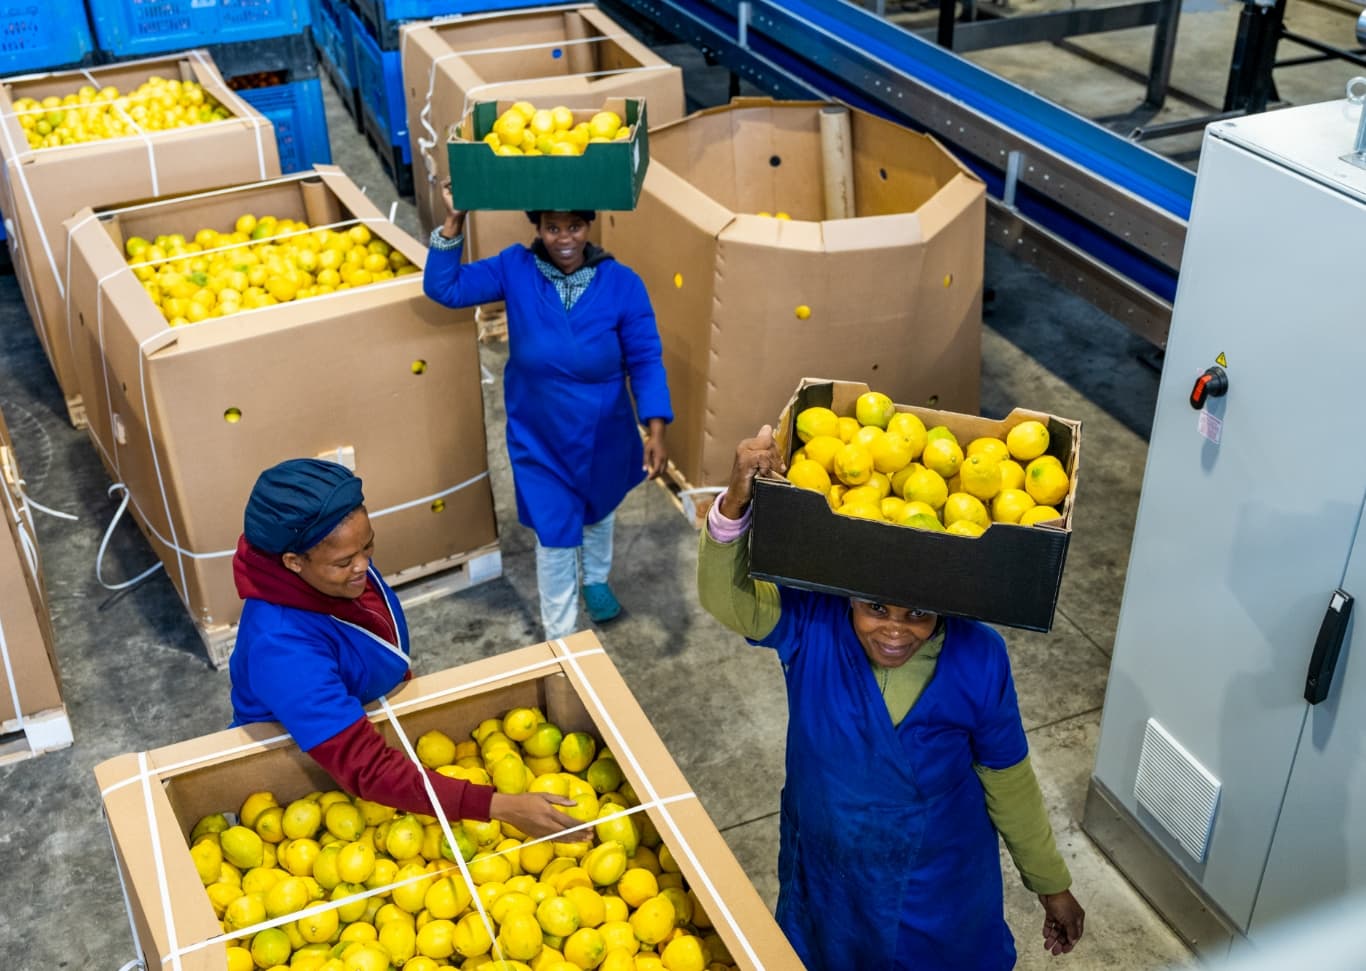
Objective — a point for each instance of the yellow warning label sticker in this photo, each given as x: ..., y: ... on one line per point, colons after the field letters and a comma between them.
x: 1221, y: 360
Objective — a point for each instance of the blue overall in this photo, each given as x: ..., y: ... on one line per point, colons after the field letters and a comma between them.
x: 887, y: 858
x: 572, y: 434
x: 309, y: 671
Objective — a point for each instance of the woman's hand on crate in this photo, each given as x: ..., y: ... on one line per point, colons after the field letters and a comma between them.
x: 534, y: 814
x: 455, y: 218
x: 754, y: 456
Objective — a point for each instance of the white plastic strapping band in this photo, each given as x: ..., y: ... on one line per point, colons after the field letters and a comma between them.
x: 159, y: 861
x: 104, y: 543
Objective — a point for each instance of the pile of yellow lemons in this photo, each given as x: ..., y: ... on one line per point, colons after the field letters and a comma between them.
x: 258, y: 263
x: 617, y: 904
x: 885, y: 465
x: 92, y: 114
x: 524, y: 129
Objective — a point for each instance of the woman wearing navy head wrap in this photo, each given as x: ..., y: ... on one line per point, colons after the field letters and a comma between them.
x: 580, y: 325
x: 322, y: 635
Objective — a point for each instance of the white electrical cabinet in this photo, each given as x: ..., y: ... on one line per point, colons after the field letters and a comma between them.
x: 1218, y: 786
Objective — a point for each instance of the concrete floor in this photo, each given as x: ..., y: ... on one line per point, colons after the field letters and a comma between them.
x: 136, y: 677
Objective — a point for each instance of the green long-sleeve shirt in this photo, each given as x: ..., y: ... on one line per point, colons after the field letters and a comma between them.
x: 752, y: 608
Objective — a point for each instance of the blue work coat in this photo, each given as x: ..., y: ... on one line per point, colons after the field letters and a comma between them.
x: 572, y: 432
x: 310, y: 671
x: 887, y: 858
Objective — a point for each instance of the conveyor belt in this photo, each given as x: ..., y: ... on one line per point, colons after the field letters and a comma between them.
x: 1103, y: 213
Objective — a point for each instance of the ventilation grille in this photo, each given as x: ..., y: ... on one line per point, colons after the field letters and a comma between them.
x: 1180, y: 792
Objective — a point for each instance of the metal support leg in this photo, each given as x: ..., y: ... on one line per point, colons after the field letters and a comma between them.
x: 948, y: 9
x: 1164, y: 49
x: 1250, y: 84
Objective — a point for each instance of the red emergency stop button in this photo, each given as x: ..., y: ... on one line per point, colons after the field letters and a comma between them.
x: 1212, y: 384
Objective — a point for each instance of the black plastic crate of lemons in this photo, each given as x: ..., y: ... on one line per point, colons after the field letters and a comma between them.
x: 617, y: 903
x: 885, y: 465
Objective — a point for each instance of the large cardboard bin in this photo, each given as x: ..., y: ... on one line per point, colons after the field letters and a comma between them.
x: 43, y: 187
x: 1009, y: 575
x: 747, y: 304
x: 152, y: 800
x: 605, y: 176
x: 32, y: 715
x: 187, y: 417
x: 573, y: 55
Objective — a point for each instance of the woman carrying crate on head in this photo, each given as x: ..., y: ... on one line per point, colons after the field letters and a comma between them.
x: 585, y: 365
x: 906, y: 757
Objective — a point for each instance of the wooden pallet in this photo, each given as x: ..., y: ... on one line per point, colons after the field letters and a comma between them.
x: 46, y: 731
x: 418, y: 584
x: 75, y: 411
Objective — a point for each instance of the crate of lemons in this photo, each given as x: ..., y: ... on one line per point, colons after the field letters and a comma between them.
x: 256, y: 263
x: 91, y: 114
x: 614, y: 902
x: 524, y: 129
x: 885, y: 465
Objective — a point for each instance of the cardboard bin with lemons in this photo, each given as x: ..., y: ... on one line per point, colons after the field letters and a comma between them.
x: 784, y: 238
x: 600, y: 171
x: 305, y: 340
x: 153, y: 800
x: 1010, y: 574
x: 33, y: 717
x: 125, y: 137
x: 573, y: 55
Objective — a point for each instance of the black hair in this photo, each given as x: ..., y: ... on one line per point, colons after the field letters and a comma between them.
x: 587, y: 215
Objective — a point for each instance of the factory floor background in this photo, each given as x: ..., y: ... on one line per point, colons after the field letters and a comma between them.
x: 135, y: 675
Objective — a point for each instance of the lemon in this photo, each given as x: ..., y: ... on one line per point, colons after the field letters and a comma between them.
x: 962, y: 506
x: 270, y: 947
x: 247, y: 910
x: 260, y: 879
x: 302, y: 819
x: 520, y: 937
x: 241, y: 847
x: 319, y: 927
x: 470, y: 937
x: 208, y: 860
x: 938, y: 432
x: 916, y: 509
x: 898, y: 481
x: 358, y: 931
x: 981, y: 475
x: 1027, y: 440
x: 637, y: 885
x: 865, y: 495
x: 922, y: 521
x: 577, y: 751
x: 987, y: 445
x: 356, y: 905
x: 585, y: 948
x: 891, y: 453
x: 545, y: 741
x: 927, y: 486
x: 486, y: 868
x: 355, y: 862
x: 618, y: 935
x: 404, y: 839
x: 215, y: 823
x: 653, y: 920
x: 564, y: 118
x: 436, y: 939
x: 853, y: 464
x: 817, y: 421
x: 369, y: 956
x: 287, y: 897
x: 874, y: 408
x: 892, y: 507
x: 882, y: 483
x: 617, y: 959
x: 344, y: 821
x: 446, y: 898
x: 649, y: 962
x: 435, y: 748
x: 808, y: 474
x: 867, y: 435
x: 509, y: 126
x: 239, y: 959
x: 399, y: 939
x: 257, y: 802
x: 846, y: 429
x: 324, y: 868
x: 965, y: 527
x: 520, y: 723
x: 606, y: 862
x: 1039, y: 514
x: 821, y: 450
x: 1009, y: 505
x: 942, y: 455
x: 685, y: 953
x: 220, y: 895
x: 1046, y: 482
x: 1012, y: 474
x: 384, y: 873
x: 604, y: 775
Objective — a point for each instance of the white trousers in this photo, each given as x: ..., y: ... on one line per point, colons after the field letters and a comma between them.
x: 557, y: 575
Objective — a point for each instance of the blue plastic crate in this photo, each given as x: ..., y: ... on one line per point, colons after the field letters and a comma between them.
x: 296, y: 111
x: 332, y: 36
x: 384, y: 17
x: 36, y: 36
x: 125, y: 28
x: 379, y: 76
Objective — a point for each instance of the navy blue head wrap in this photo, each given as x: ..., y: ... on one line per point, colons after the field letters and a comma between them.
x: 296, y: 504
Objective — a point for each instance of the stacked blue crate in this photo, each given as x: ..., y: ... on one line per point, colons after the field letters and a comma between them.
x: 261, y: 47
x: 38, y: 37
x: 332, y: 36
x: 384, y: 113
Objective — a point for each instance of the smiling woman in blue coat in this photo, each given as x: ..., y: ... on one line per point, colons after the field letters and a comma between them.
x: 585, y: 368
x: 906, y: 757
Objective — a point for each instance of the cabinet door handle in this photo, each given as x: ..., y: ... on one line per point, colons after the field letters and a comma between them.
x: 1327, y: 647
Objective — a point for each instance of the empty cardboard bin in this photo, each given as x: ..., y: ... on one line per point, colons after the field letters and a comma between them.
x: 754, y: 285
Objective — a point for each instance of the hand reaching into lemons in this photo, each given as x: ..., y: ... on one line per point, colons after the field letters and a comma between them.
x: 754, y: 456
x: 534, y: 814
